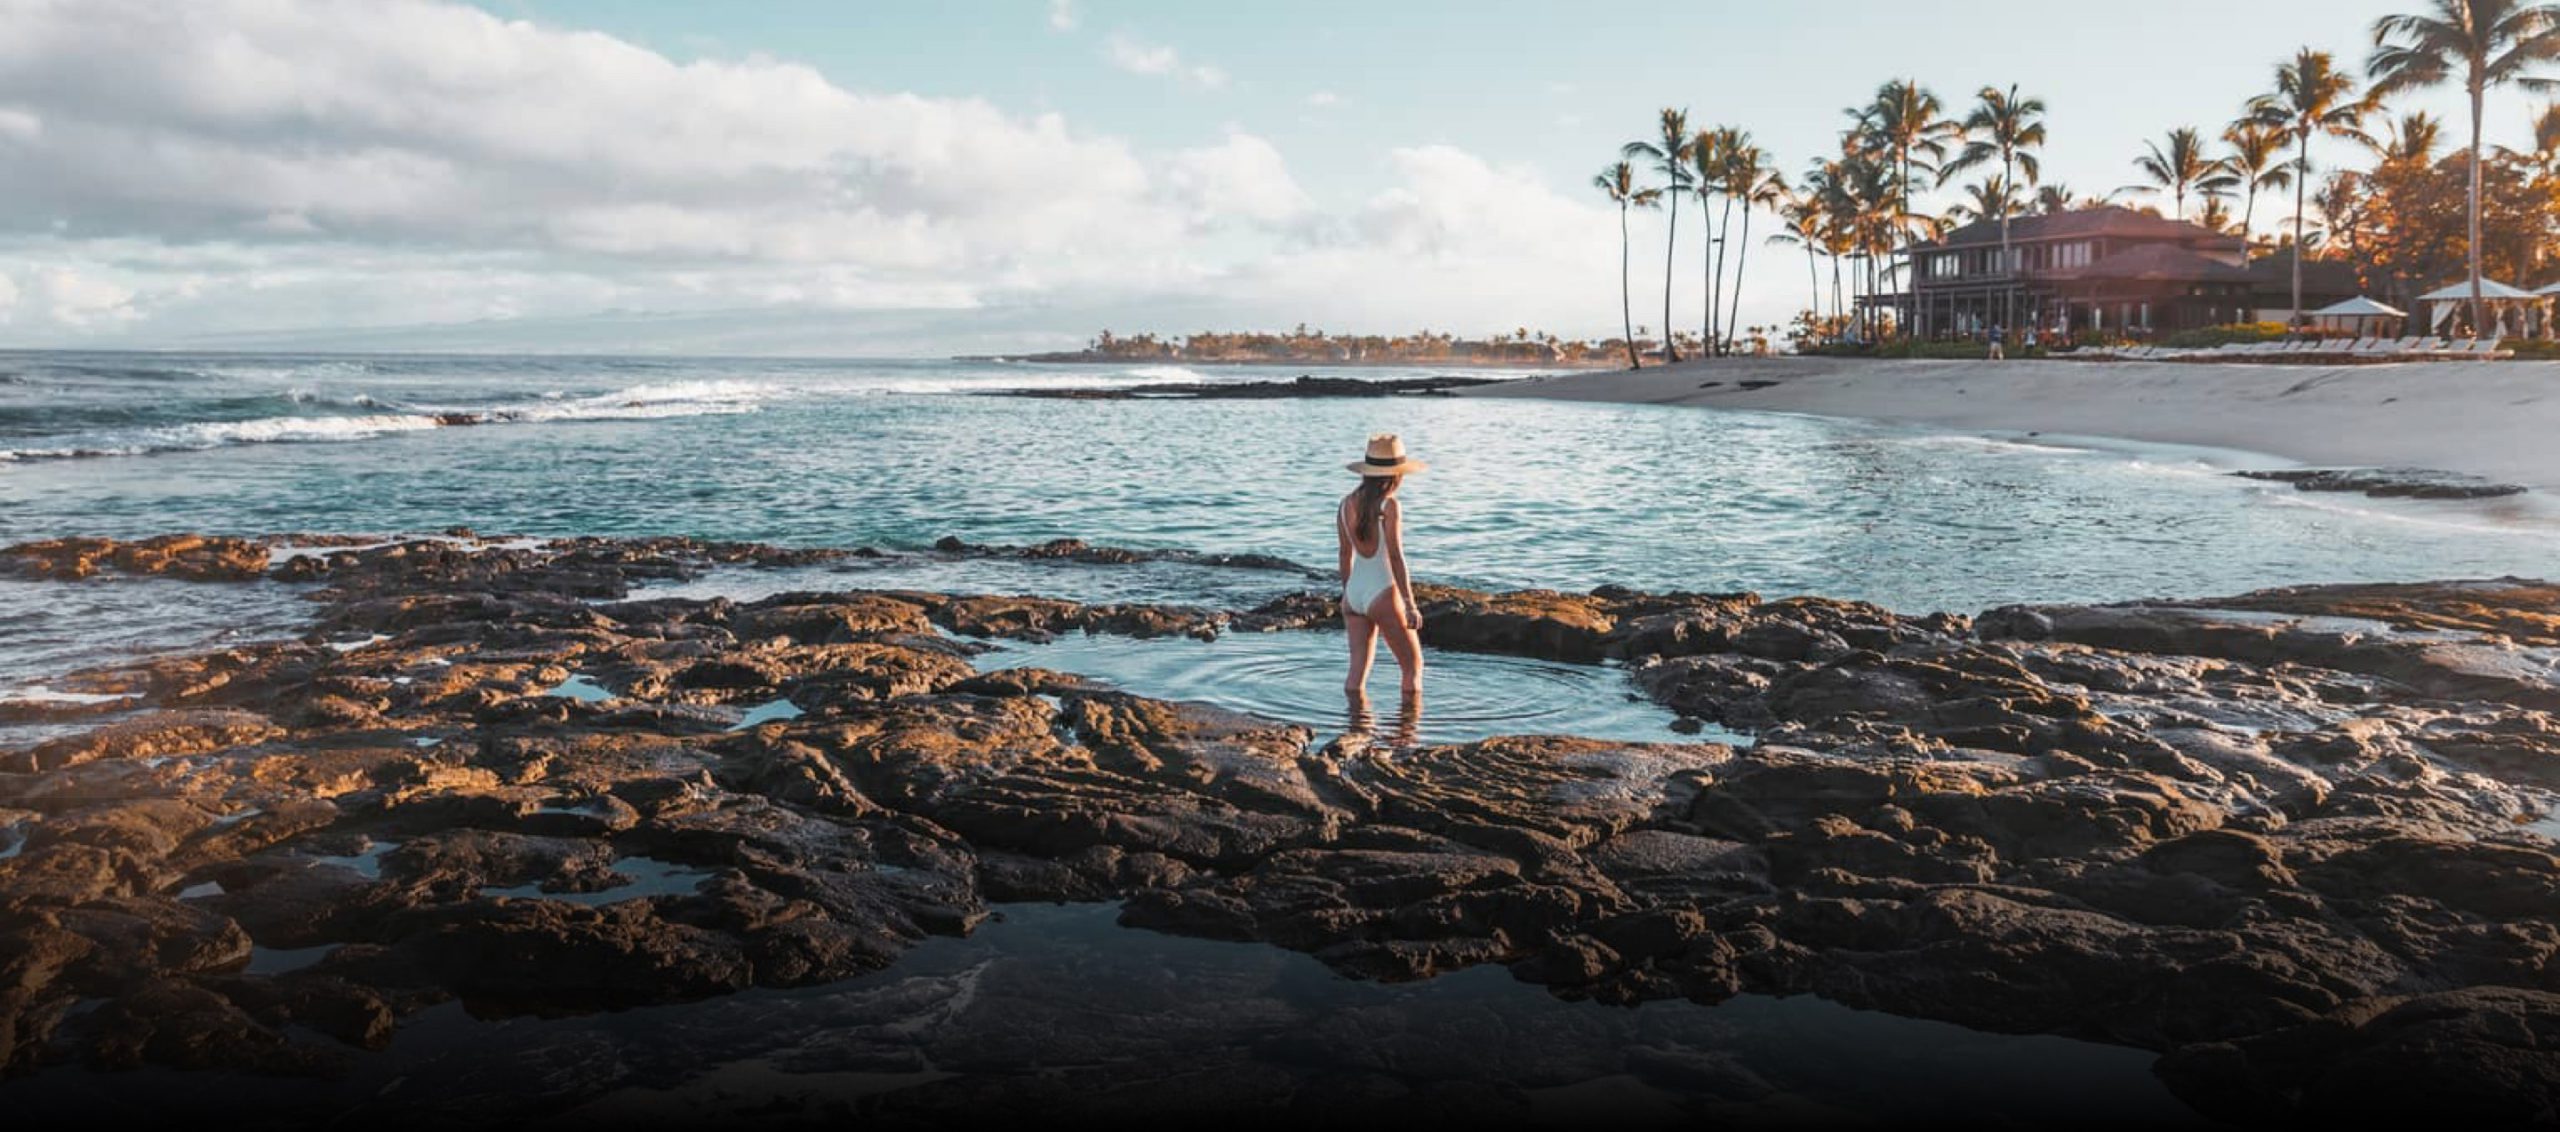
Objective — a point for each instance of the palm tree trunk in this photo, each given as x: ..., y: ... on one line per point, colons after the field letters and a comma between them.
x: 1725, y: 225
x: 2009, y: 288
x: 1626, y: 297
x: 1739, y: 259
x: 1706, y: 281
x: 1669, y: 246
x: 1903, y: 319
x: 2478, y: 325
x: 1836, y: 309
x: 1813, y: 275
x: 2302, y: 177
x: 2248, y: 212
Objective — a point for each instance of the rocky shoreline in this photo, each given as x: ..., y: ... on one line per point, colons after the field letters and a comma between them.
x: 2299, y: 842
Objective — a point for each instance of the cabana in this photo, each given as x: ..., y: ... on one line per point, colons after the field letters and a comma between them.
x: 2506, y: 305
x: 2543, y: 323
x: 2359, y: 311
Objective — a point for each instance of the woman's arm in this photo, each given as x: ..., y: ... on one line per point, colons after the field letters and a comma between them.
x: 1342, y: 544
x: 1391, y: 532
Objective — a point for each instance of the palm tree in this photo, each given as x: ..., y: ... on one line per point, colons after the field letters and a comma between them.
x: 2491, y: 43
x: 2257, y: 159
x: 1802, y: 213
x: 1719, y: 151
x: 1759, y: 186
x: 2180, y: 167
x: 1909, y: 121
x: 2312, y: 97
x: 1990, y: 199
x: 2546, y: 136
x: 2215, y: 216
x: 1618, y: 181
x: 1706, y: 164
x: 2054, y: 196
x: 2011, y: 128
x: 1667, y: 160
x: 2413, y: 138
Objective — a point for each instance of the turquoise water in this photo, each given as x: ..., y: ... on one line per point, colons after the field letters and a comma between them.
x: 1298, y: 677
x: 883, y: 453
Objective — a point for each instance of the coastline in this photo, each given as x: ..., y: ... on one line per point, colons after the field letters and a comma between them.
x: 2489, y: 420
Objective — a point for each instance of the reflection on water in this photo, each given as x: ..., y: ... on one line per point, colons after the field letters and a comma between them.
x: 1054, y: 1010
x: 1359, y: 732
x: 1297, y: 677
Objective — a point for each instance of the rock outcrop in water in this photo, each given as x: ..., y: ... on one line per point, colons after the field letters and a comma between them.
x: 1304, y: 385
x: 2298, y: 841
x: 2388, y: 483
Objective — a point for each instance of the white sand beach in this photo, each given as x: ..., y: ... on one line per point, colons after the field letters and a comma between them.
x: 2499, y: 420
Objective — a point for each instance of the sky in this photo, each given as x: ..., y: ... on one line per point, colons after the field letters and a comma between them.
x: 872, y: 178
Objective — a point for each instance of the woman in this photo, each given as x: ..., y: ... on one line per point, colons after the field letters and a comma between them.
x: 1377, y: 593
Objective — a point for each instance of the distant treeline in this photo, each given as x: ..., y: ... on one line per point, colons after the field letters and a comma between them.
x: 1302, y: 345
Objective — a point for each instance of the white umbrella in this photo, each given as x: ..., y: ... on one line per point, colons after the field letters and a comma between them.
x: 2489, y: 289
x: 2547, y: 290
x: 2362, y: 307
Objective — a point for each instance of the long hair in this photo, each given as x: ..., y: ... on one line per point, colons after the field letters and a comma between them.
x: 1368, y: 505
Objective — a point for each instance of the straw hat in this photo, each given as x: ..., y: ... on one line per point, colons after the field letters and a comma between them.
x: 1386, y: 458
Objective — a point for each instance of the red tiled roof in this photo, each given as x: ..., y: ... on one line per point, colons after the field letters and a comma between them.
x: 2104, y: 220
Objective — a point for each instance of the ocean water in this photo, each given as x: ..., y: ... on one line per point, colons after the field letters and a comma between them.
x: 898, y: 453
x: 895, y: 454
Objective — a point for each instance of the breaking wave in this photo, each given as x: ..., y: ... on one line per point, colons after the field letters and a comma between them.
x: 639, y: 402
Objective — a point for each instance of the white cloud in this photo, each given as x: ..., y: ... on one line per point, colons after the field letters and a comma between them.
x: 19, y: 125
x: 1141, y: 58
x: 237, y: 165
x: 76, y: 300
x: 1062, y: 15
x: 1324, y: 98
x: 1243, y: 179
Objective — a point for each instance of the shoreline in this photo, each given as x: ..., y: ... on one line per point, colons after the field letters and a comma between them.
x: 2492, y: 421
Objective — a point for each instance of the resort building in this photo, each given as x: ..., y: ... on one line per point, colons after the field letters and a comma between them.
x: 2108, y: 269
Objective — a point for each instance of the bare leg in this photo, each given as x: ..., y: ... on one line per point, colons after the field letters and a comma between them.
x: 1401, y: 640
x: 1364, y: 649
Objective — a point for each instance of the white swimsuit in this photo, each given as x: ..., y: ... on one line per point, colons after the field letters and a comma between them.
x: 1369, y: 577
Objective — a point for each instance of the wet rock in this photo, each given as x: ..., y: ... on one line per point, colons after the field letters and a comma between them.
x: 180, y: 1024
x: 2387, y: 483
x: 160, y: 735
x: 2478, y: 1057
x: 1528, y: 622
x: 1078, y: 550
x: 1304, y: 385
x: 200, y: 558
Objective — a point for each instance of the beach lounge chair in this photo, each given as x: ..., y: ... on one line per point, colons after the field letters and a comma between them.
x: 2359, y: 346
x: 2403, y: 347
x: 2487, y: 348
x: 2372, y: 347
x: 2453, y: 347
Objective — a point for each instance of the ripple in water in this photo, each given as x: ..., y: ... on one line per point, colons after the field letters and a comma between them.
x: 1297, y: 678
